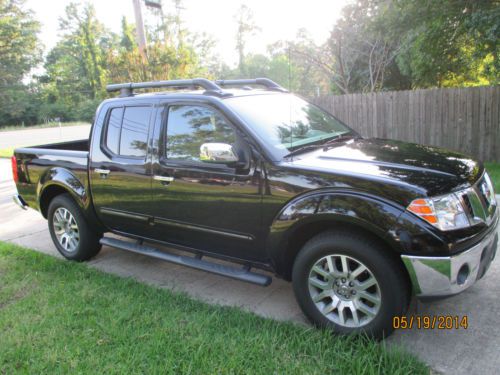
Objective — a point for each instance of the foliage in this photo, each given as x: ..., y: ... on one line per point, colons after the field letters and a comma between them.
x: 393, y: 45
x: 76, y: 66
x: 19, y: 52
x: 494, y: 172
x: 89, y: 56
x: 448, y: 42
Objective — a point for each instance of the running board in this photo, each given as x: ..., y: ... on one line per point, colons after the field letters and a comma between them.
x: 243, y: 274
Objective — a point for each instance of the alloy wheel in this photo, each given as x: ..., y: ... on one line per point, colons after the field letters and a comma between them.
x: 66, y: 229
x: 344, y: 290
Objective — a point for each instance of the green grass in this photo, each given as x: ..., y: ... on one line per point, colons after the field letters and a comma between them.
x: 6, y: 152
x: 63, y: 317
x: 41, y: 126
x: 494, y: 172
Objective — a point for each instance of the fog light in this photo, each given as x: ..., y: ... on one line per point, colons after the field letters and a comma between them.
x: 463, y: 274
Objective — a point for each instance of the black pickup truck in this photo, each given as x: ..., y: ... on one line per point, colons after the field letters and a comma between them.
x: 268, y: 181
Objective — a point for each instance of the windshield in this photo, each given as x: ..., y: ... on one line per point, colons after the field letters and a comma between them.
x: 286, y: 122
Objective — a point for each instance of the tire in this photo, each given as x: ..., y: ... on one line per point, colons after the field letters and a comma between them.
x: 71, y: 233
x: 328, y: 294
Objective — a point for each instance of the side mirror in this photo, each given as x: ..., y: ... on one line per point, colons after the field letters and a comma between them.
x: 218, y: 153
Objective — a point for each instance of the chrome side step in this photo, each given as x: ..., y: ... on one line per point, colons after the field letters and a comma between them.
x: 243, y: 274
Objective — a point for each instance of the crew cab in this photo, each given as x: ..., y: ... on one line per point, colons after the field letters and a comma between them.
x: 269, y: 182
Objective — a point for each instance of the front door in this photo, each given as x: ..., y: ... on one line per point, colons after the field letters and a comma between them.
x: 211, y: 206
x: 120, y: 172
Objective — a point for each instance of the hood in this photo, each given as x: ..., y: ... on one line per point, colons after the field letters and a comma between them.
x: 433, y: 171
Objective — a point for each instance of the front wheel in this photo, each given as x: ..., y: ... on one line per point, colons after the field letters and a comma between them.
x: 349, y: 284
x: 74, y: 238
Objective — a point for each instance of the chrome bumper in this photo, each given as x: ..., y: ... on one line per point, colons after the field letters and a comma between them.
x: 445, y: 276
x: 20, y: 201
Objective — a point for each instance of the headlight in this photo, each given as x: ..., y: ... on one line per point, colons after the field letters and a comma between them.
x: 445, y: 212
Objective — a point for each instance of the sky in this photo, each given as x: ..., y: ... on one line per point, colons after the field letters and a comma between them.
x: 277, y: 19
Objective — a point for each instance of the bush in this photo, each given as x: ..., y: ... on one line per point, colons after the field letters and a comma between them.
x: 57, y: 110
x: 86, y: 110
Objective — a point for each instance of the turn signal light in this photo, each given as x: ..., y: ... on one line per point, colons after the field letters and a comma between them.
x: 424, y: 209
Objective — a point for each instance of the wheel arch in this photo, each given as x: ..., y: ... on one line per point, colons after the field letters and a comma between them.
x: 57, y: 181
x: 48, y: 194
x: 306, y: 216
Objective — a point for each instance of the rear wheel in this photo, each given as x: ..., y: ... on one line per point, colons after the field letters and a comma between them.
x: 73, y: 236
x: 349, y: 284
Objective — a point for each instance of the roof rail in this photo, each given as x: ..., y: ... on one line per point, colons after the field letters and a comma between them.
x: 127, y: 89
x: 266, y: 82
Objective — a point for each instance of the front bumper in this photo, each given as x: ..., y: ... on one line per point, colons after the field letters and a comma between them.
x: 445, y: 276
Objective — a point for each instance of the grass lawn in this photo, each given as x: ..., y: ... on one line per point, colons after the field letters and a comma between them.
x: 494, y: 172
x: 6, y: 152
x: 63, y: 317
x: 40, y: 126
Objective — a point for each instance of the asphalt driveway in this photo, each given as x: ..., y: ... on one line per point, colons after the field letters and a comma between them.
x: 456, y: 351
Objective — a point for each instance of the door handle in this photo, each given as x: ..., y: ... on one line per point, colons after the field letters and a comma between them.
x: 103, y: 172
x: 165, y: 180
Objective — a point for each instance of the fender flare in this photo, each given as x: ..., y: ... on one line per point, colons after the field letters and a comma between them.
x: 65, y: 179
x: 367, y: 212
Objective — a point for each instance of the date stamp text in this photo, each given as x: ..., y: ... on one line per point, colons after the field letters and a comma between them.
x: 430, y: 322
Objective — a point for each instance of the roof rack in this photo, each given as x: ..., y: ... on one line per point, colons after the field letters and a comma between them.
x: 212, y: 88
x: 127, y: 89
x: 266, y: 82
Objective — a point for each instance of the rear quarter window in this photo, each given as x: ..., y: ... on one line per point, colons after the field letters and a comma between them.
x: 127, y: 131
x: 134, y: 135
x: 113, y: 130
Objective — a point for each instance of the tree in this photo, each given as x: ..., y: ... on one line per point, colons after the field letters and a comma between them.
x: 86, y: 40
x: 171, y: 51
x: 246, y: 28
x: 20, y: 52
x: 76, y: 68
x: 358, y: 55
x: 450, y: 42
x: 127, y: 41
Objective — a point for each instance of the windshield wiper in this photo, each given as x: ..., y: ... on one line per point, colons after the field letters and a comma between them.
x: 325, y: 145
x: 341, y: 138
x: 303, y: 149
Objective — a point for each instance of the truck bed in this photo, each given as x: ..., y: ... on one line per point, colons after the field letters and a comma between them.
x: 78, y: 145
x: 35, y: 163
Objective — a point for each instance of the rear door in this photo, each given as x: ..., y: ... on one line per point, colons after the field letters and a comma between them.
x: 120, y: 172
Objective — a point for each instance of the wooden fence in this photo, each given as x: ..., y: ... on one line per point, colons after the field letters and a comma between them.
x: 464, y: 119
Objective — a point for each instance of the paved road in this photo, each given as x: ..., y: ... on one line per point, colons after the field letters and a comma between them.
x: 29, y: 137
x: 472, y: 351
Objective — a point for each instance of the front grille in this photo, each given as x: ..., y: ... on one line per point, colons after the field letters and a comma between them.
x: 484, y: 198
x: 467, y: 205
x: 477, y: 205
